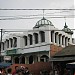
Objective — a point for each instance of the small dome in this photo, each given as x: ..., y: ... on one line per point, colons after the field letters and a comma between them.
x: 43, y: 22
x: 66, y: 29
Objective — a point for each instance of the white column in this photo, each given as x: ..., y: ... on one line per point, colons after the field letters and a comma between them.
x: 66, y: 41
x: 27, y: 60
x: 35, y: 59
x: 57, y: 39
x: 38, y: 58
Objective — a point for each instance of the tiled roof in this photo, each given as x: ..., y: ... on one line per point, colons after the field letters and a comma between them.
x: 67, y: 51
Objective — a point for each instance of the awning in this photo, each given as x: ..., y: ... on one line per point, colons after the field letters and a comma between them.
x: 62, y: 58
x: 4, y: 64
x: 70, y: 65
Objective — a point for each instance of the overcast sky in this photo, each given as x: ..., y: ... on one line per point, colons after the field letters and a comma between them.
x: 34, y: 4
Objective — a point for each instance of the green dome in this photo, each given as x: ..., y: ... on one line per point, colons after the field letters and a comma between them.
x: 66, y: 29
x: 43, y: 22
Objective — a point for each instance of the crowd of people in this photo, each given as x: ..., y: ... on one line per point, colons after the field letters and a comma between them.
x: 18, y: 71
x: 21, y: 70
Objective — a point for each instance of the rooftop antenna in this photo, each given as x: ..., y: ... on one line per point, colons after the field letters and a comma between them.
x: 43, y: 13
x: 65, y: 22
x: 65, y: 19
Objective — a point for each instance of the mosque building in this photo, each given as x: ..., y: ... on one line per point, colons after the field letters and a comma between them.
x: 36, y: 45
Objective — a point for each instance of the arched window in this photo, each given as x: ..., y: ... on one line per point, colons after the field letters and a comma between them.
x: 31, y: 59
x: 15, y: 42
x: 25, y: 40
x: 66, y: 41
x: 42, y: 36
x: 60, y: 39
x: 56, y: 39
x: 30, y: 39
x: 44, y: 58
x: 22, y: 60
x: 63, y: 38
x: 7, y: 42
x: 52, y: 36
x: 35, y: 38
x: 16, y: 60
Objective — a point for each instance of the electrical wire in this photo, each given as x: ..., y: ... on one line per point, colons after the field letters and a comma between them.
x: 55, y: 16
x: 36, y: 15
x: 23, y: 16
x: 34, y: 9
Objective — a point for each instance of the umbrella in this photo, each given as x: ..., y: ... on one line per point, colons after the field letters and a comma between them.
x: 70, y: 65
x: 4, y: 64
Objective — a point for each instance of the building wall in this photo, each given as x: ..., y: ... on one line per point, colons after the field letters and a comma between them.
x: 52, y: 42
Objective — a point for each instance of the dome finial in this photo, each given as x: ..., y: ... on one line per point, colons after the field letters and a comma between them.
x: 65, y: 23
x: 66, y: 29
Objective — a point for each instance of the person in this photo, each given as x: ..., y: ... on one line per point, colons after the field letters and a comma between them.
x: 51, y: 72
x: 16, y: 70
x: 9, y: 71
x: 26, y: 71
x: 19, y: 72
x: 3, y: 72
x: 66, y: 72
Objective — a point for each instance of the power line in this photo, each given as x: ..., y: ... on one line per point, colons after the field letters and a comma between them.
x: 37, y: 14
x: 33, y: 9
x: 25, y: 16
x: 53, y: 16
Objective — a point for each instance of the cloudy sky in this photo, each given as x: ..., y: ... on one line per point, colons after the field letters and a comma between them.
x: 26, y: 19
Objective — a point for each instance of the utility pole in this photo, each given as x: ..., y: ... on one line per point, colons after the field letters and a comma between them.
x: 1, y: 35
x: 0, y: 46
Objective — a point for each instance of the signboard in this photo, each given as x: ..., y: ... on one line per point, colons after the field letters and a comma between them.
x: 10, y: 52
x: 7, y: 57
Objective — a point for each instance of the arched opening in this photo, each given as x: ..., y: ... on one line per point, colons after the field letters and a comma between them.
x: 36, y: 38
x: 42, y: 36
x: 44, y: 58
x: 23, y: 60
x: 31, y: 59
x: 16, y: 60
x: 14, y: 42
x: 30, y: 39
x: 25, y: 40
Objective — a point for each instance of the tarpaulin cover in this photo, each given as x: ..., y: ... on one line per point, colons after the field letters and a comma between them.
x: 4, y: 64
